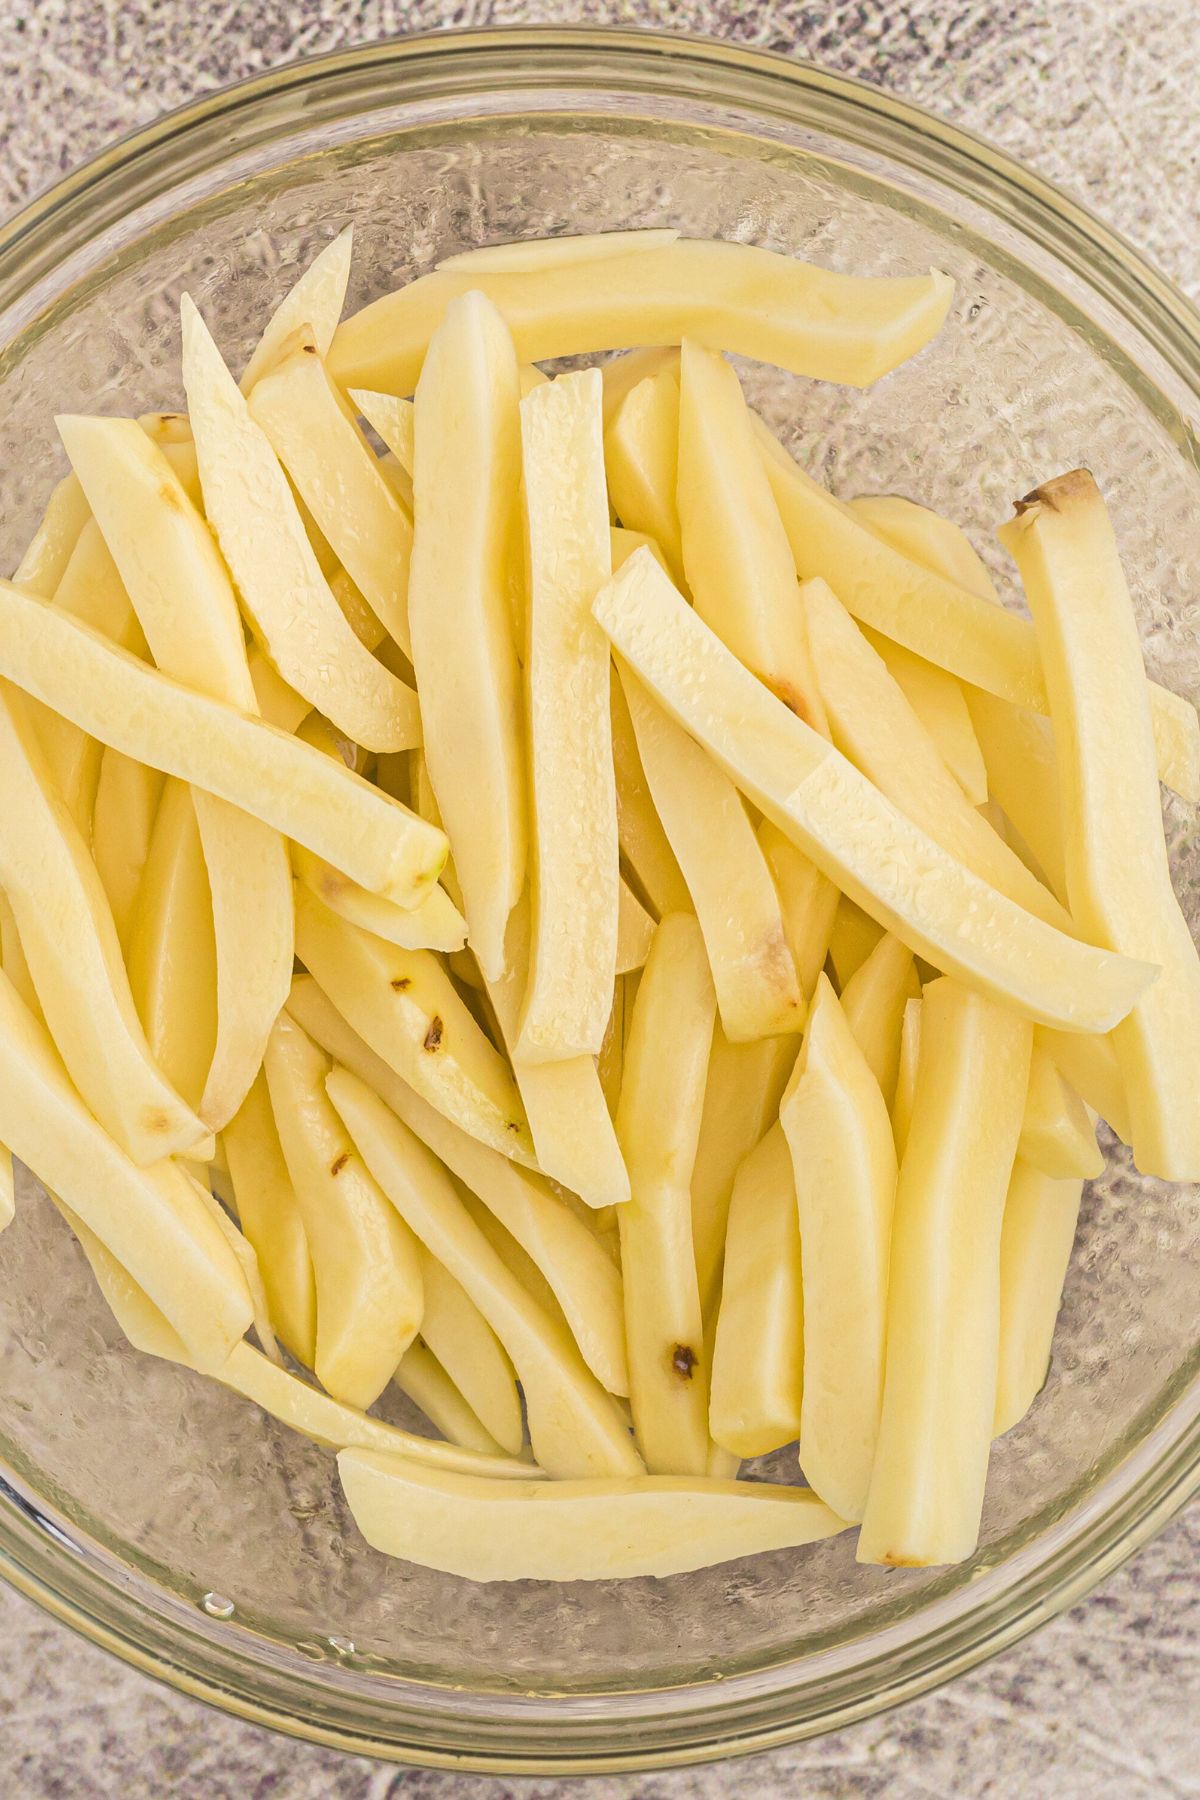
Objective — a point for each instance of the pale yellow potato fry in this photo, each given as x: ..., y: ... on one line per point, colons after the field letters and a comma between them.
x: 127, y: 798
x: 518, y: 1262
x: 1022, y: 771
x: 466, y: 482
x: 844, y: 1167
x: 946, y: 624
x: 434, y: 924
x: 172, y: 957
x: 623, y: 543
x: 243, y: 1250
x: 658, y: 1127
x: 906, y: 1074
x: 422, y: 1378
x: 573, y: 802
x: 1118, y: 877
x: 635, y: 929
x: 753, y: 302
x: 1090, y: 1065
x: 49, y: 550
x: 314, y: 301
x: 148, y: 1217
x: 533, y: 254
x: 1040, y: 1216
x: 728, y: 878
x: 641, y: 453
x: 366, y: 626
x: 853, y: 937
x: 392, y: 420
x: 1057, y: 1136
x: 874, y: 726
x: 264, y: 771
x: 574, y: 1427
x: 262, y: 538
x: 808, y: 902
x: 939, y: 702
x: 644, y: 845
x: 927, y: 537
x: 74, y: 957
x: 742, y: 1091
x: 270, y: 1216
x: 758, y: 1350
x: 571, y: 1530
x: 12, y: 960
x: 853, y: 833
x: 576, y: 1268
x: 943, y: 1316
x: 365, y: 1260
x: 340, y: 481
x: 621, y: 374
x: 406, y: 1007
x: 611, y: 1059
x: 279, y: 704
x: 873, y: 1001
x: 736, y: 555
x: 472, y: 1355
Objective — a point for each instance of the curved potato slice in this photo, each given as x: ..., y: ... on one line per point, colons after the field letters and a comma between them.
x: 270, y: 1216
x: 572, y: 1530
x: 315, y: 302
x: 127, y: 800
x: 48, y: 552
x: 1040, y: 1217
x: 435, y: 923
x: 753, y: 302
x: 873, y: 1001
x: 875, y: 854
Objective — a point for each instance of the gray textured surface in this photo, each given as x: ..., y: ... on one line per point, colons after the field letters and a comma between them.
x: 1100, y: 96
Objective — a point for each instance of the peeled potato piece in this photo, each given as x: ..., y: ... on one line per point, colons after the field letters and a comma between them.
x: 645, y: 848
x: 422, y: 1378
x: 12, y: 960
x: 434, y: 924
x: 843, y: 1163
x: 635, y: 931
x: 270, y: 1216
x: 127, y: 798
x: 49, y: 549
x: 472, y: 1355
x: 658, y: 1125
x: 1118, y: 877
x: 572, y: 1530
x: 873, y: 1001
x: 641, y: 453
x: 808, y: 903
x: 758, y: 1350
x: 927, y: 537
x: 939, y: 702
x: 853, y: 937
x: 315, y: 301
x: 943, y: 1318
x: 752, y: 302
x: 1040, y: 1216
x: 1018, y: 748
x: 906, y: 1074
x: 1057, y: 1137
x: 1089, y: 1064
x: 927, y: 897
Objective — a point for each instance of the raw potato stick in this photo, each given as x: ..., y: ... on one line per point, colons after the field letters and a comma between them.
x: 808, y: 902
x: 1057, y: 1137
x: 1040, y: 1217
x: 472, y: 1355
x: 927, y: 537
x: 873, y: 1001
x: 852, y: 939
x: 127, y: 799
x: 1018, y: 749
x: 49, y: 550
x: 645, y: 849
x: 641, y: 455
x: 635, y: 932
x: 435, y: 923
x: 423, y: 1380
x: 269, y: 1214
x: 315, y: 301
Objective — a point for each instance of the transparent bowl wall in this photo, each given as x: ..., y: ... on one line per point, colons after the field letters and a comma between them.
x: 134, y: 1490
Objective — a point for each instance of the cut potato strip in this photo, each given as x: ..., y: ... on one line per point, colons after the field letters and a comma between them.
x: 340, y: 481
x: 624, y: 542
x: 406, y: 1007
x: 736, y: 554
x: 270, y: 775
x: 457, y: 1333
x: 392, y: 420
x: 644, y: 845
x: 1018, y: 749
x: 279, y: 704
x: 571, y: 1531
x: 853, y: 937
x: 573, y: 800
x: 262, y: 538
x: 758, y: 1350
x: 48, y: 552
x: 853, y: 833
x: 466, y: 483
x: 573, y: 1425
x: 127, y: 799
x: 658, y: 1126
x: 756, y: 303
x: 742, y: 1091
x: 1118, y: 877
x: 74, y: 957
x: 906, y: 1074
x: 924, y: 536
x: 621, y: 374
x: 943, y: 1316
x: 808, y: 903
x: 270, y: 1216
x: 874, y: 726
x: 434, y: 924
x: 641, y: 454
x: 365, y: 1260
x: 946, y: 624
x: 315, y: 301
x: 1040, y: 1217
x: 844, y: 1167
x: 635, y: 931
x: 709, y: 830
x: 580, y: 1274
x: 148, y: 1217
x: 873, y: 1001
x: 1090, y: 1066
x: 938, y: 701
x: 1057, y: 1137
x: 12, y: 960
x: 422, y: 1378
x: 243, y: 1250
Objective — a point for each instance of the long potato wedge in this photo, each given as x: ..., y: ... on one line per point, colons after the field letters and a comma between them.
x: 574, y: 1427
x: 473, y: 1357
x: 752, y: 302
x: 927, y: 537
x: 808, y: 903
x: 49, y: 550
x: 1040, y: 1217
x: 12, y: 960
x: 264, y: 771
x: 466, y: 483
x: 314, y: 301
x: 844, y: 1168
x: 645, y: 848
x: 853, y: 833
x: 580, y: 1274
x: 658, y: 1126
x: 1118, y: 878
x: 435, y: 923
x: 392, y: 419
x: 873, y: 1001
x: 127, y: 798
x: 641, y: 456
x: 148, y: 1217
x: 270, y: 1216
x: 853, y: 937
x: 262, y: 538
x: 571, y: 1530
x: 573, y: 798
x: 728, y: 878
x: 421, y: 1377
x: 943, y: 1318
x: 1089, y: 1064
x: 1057, y: 1136
x: 939, y: 701
x: 758, y: 1350
x: 906, y: 1074
x: 948, y: 625
x: 635, y: 930
x: 1022, y: 772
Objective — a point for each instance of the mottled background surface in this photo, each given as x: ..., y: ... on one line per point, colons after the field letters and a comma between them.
x: 1103, y: 96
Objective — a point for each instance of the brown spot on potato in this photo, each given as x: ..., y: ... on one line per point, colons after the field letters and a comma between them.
x: 792, y: 698
x: 433, y: 1037
x: 1065, y: 490
x: 683, y: 1361
x: 339, y: 1162
x: 400, y: 982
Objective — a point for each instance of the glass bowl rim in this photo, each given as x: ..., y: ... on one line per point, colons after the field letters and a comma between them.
x: 753, y: 1712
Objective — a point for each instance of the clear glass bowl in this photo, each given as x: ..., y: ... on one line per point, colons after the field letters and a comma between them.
x: 173, y: 1523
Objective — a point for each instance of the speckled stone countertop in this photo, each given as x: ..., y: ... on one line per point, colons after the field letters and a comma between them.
x: 1100, y: 95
